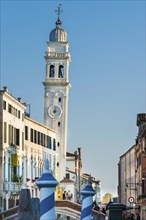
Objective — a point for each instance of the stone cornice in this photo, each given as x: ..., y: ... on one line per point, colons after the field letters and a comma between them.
x: 55, y: 83
x: 53, y: 55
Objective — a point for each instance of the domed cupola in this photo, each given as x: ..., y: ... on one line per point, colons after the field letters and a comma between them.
x: 58, y: 34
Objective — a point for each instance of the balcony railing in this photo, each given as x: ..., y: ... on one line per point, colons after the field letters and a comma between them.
x: 11, y: 187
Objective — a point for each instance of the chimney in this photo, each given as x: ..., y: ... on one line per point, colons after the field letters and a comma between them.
x: 5, y: 89
x: 19, y: 99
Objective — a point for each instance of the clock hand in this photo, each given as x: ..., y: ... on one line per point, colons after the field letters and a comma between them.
x: 54, y: 111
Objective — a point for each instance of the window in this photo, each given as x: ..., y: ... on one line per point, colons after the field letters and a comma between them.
x: 22, y: 117
x: 58, y: 144
x: 61, y: 71
x: 59, y: 124
x: 49, y: 142
x: 10, y: 140
x: 19, y: 114
x: 52, y: 71
x: 9, y: 108
x: 4, y: 105
x: 31, y: 135
x: 13, y: 110
x: 35, y: 136
x: 14, y: 168
x: 67, y: 176
x: 17, y: 136
x: 54, y: 144
x: 39, y: 141
x: 26, y: 133
x: 16, y: 112
x: 5, y: 132
x: 22, y: 140
x: 59, y: 100
x: 46, y: 142
x: 43, y: 139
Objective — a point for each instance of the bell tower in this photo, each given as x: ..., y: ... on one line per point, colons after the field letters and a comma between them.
x: 56, y: 89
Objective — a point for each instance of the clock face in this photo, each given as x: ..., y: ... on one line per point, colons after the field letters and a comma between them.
x: 55, y: 111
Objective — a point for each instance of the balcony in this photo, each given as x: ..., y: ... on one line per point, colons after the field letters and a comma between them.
x: 11, y: 187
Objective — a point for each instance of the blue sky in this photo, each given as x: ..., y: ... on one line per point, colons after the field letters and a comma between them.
x: 107, y: 72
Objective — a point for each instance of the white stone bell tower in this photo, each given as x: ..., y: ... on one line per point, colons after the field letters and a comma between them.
x: 57, y: 89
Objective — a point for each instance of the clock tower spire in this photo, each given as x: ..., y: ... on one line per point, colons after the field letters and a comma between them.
x: 56, y: 88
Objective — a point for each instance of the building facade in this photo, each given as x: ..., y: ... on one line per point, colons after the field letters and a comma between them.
x: 40, y: 143
x: 74, y: 171
x: 24, y: 145
x: 127, y: 177
x: 141, y: 164
x: 132, y: 172
x: 11, y: 148
x: 95, y: 184
x: 56, y: 89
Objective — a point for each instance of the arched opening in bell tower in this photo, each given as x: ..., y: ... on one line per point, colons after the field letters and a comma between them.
x: 52, y: 71
x: 61, y: 71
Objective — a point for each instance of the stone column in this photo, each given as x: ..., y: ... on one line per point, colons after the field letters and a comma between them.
x: 88, y: 192
x: 47, y: 184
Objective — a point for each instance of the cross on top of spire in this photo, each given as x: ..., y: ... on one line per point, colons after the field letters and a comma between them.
x: 59, y: 11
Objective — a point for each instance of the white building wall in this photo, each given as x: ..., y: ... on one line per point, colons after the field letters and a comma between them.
x: 35, y: 154
x: 28, y: 155
x: 70, y: 164
x: 69, y: 188
x: 12, y: 119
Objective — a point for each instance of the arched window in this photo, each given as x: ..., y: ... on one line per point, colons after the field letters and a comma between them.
x: 52, y: 71
x: 61, y: 71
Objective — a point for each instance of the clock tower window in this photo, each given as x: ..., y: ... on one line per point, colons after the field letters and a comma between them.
x: 52, y: 71
x: 59, y: 100
x: 59, y: 124
x: 61, y: 71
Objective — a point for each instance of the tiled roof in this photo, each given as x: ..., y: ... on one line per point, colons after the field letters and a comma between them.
x: 66, y: 181
x: 70, y: 154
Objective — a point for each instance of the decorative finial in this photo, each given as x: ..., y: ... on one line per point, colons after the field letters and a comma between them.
x: 59, y: 11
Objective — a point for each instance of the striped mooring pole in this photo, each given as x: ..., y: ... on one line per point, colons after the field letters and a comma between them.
x: 47, y: 184
x: 88, y: 192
